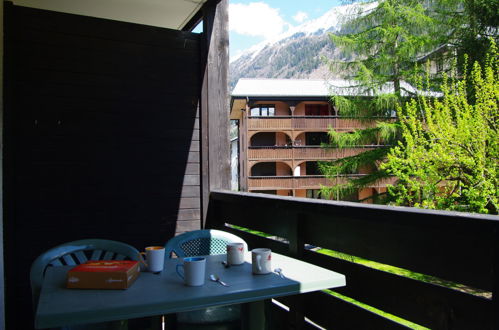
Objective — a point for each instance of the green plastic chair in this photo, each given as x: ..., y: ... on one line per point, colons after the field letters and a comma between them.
x: 198, y: 243
x: 201, y: 243
x: 75, y: 253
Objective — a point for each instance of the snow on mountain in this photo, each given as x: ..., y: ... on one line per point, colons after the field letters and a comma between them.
x: 331, y: 21
x: 299, y: 52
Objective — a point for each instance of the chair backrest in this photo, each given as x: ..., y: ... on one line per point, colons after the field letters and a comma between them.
x: 201, y: 242
x: 75, y: 253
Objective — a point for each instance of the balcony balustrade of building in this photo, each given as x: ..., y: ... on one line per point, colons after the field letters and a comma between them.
x: 311, y: 123
x: 303, y: 152
x: 304, y: 182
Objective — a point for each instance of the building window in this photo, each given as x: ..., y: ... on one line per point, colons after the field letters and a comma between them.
x: 316, y: 110
x: 263, y: 110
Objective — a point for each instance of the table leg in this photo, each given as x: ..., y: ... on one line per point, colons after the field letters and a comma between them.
x: 256, y: 315
x: 296, y: 312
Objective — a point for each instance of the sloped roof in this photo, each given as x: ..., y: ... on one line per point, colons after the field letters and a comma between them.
x: 249, y: 87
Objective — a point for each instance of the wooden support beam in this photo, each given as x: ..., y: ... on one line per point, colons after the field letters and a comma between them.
x: 215, y: 154
x: 197, y: 18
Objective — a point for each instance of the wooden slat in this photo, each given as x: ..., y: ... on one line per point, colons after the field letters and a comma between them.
x: 254, y: 241
x: 190, y: 203
x: 193, y: 157
x: 430, y: 305
x: 452, y: 250
x: 192, y: 168
x: 108, y: 255
x: 188, y: 214
x: 188, y: 225
x: 191, y: 180
x: 107, y: 78
x: 190, y: 191
x: 239, y: 213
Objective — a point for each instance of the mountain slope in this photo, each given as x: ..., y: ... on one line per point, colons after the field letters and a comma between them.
x: 298, y: 52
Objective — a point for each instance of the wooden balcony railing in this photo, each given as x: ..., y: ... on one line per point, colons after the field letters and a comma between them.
x: 303, y: 153
x: 270, y: 153
x: 302, y: 182
x: 436, y: 269
x: 269, y: 123
x: 310, y: 122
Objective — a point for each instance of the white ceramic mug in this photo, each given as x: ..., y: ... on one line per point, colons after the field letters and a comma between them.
x: 261, y: 260
x: 193, y: 271
x: 155, y: 258
x: 235, y: 253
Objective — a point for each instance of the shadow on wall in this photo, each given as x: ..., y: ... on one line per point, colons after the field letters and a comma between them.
x: 99, y: 119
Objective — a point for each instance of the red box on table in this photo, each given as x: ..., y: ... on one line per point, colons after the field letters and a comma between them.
x: 103, y: 274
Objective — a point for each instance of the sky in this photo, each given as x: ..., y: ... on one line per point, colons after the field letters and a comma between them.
x: 252, y: 22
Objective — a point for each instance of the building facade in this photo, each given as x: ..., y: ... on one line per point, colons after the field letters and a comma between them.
x: 282, y: 124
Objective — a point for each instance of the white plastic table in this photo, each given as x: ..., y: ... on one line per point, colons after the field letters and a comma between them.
x: 165, y: 293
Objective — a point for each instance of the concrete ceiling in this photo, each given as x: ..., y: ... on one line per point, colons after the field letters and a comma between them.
x: 172, y: 14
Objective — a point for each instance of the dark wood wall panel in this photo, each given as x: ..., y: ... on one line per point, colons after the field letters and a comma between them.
x: 102, y: 137
x: 189, y: 210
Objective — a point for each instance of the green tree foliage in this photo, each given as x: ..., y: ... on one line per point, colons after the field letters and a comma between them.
x: 379, y: 138
x: 448, y: 157
x: 381, y: 47
x: 381, y: 50
x: 471, y: 24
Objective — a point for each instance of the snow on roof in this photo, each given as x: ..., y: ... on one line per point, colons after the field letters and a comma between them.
x: 258, y: 87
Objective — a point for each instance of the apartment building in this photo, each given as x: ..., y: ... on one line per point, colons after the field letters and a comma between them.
x: 282, y: 123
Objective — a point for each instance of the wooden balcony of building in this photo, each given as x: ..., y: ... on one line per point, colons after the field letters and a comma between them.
x: 310, y: 123
x: 436, y: 269
x: 302, y: 153
x: 303, y: 182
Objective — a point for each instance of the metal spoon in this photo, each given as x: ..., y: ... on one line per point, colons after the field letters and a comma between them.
x: 215, y: 278
x: 279, y: 271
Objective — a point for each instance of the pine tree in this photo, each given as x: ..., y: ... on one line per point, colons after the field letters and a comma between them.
x: 471, y: 24
x: 381, y: 49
